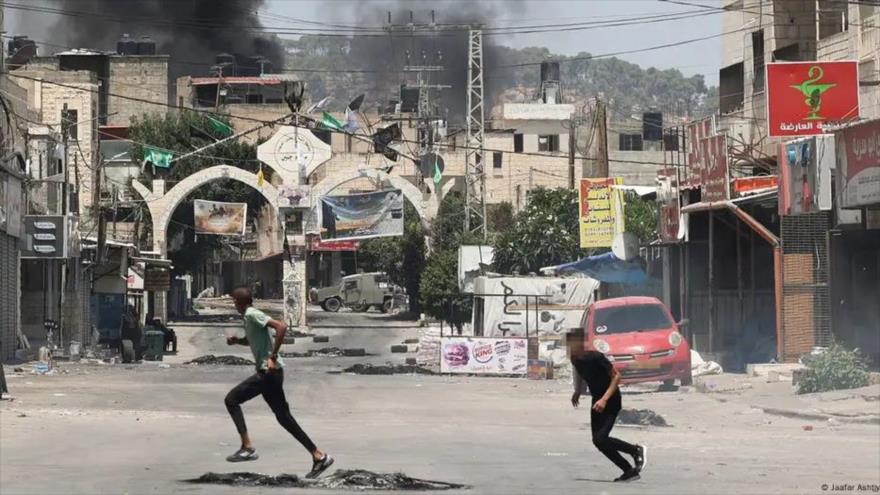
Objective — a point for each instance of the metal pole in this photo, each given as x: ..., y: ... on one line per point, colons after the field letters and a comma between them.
x: 739, y: 284
x: 711, y: 281
x: 602, y: 142
x: 571, y: 149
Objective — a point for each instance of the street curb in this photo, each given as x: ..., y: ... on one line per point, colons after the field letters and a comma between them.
x: 789, y: 413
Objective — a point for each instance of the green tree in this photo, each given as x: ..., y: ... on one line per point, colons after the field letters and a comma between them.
x: 641, y: 218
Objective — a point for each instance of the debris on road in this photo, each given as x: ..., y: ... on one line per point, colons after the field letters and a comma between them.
x: 642, y: 417
x: 387, y: 369
x: 321, y: 339
x: 357, y: 479
x: 327, y: 352
x: 227, y: 360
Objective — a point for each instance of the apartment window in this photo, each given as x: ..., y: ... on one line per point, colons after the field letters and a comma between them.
x: 670, y: 142
x: 731, y: 89
x: 833, y: 17
x: 549, y: 142
x: 758, y: 60
x: 789, y: 53
x: 517, y: 143
x: 497, y: 160
x: 69, y: 119
x: 630, y: 142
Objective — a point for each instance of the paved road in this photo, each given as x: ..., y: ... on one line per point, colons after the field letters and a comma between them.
x: 140, y: 429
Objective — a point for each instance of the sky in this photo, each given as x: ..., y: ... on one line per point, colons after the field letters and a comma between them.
x: 696, y: 58
x: 702, y: 57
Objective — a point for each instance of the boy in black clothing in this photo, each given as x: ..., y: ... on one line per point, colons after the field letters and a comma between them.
x: 592, y: 369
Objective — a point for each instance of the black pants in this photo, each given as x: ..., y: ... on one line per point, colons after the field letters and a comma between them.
x: 270, y: 385
x: 601, y: 424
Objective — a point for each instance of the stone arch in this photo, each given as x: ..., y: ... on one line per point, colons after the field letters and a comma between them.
x: 162, y: 204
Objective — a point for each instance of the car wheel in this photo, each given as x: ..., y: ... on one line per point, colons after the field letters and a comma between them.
x: 360, y: 308
x: 387, y: 306
x: 332, y: 305
x: 127, y: 351
x: 687, y: 380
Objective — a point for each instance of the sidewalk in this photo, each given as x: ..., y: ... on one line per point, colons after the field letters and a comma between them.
x: 860, y: 405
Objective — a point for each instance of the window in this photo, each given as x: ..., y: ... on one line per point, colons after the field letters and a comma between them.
x: 758, y: 60
x: 833, y: 17
x: 789, y: 53
x: 497, y: 160
x: 69, y: 119
x: 670, y: 142
x: 731, y: 89
x: 630, y: 142
x: 630, y: 318
x: 517, y: 143
x: 549, y: 142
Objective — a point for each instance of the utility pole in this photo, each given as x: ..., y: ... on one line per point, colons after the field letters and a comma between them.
x: 602, y: 140
x: 571, y: 152
x: 475, y: 213
x: 65, y: 208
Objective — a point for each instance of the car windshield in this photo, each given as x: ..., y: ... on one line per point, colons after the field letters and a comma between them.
x: 631, y: 318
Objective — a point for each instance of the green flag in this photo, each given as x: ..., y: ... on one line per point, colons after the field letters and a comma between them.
x: 437, y: 175
x: 159, y: 158
x: 330, y: 122
x: 220, y: 127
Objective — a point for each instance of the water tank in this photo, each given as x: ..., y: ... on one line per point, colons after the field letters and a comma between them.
x: 146, y: 46
x: 126, y: 46
x: 549, y: 71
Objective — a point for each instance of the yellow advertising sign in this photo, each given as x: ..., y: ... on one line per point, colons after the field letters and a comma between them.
x: 600, y: 211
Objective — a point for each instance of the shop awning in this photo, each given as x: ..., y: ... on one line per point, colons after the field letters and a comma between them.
x: 607, y: 268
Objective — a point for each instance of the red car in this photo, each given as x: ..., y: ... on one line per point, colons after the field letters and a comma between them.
x: 639, y: 335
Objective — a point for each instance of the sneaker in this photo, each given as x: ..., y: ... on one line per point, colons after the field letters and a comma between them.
x: 320, y: 466
x: 641, y: 458
x: 631, y: 475
x: 243, y: 454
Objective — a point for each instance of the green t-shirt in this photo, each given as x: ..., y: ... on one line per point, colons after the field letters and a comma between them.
x: 261, y: 337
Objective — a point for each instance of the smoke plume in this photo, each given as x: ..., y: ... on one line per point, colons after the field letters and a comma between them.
x: 193, y: 32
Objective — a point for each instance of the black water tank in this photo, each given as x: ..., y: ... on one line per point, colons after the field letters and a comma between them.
x: 146, y: 46
x: 126, y: 46
x: 549, y: 71
x: 652, y: 126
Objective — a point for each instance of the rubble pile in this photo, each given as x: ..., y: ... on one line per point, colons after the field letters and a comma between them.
x: 388, y: 369
x: 356, y: 479
x: 326, y: 352
x: 227, y: 360
x: 642, y: 417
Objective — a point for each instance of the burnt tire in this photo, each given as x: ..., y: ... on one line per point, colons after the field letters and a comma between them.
x: 332, y: 305
x: 687, y: 380
x: 127, y: 351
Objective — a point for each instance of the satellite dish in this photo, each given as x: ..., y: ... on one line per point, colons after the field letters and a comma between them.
x: 625, y: 246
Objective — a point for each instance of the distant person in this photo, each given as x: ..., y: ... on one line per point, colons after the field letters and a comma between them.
x: 592, y: 369
x: 268, y: 382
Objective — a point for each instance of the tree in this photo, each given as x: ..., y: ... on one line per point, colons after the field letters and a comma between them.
x: 641, y: 218
x: 402, y: 258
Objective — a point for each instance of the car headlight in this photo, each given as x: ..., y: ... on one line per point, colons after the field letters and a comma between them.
x: 601, y: 346
x: 675, y: 339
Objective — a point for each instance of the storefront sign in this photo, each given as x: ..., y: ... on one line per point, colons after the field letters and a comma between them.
x: 484, y: 355
x: 316, y: 244
x: 858, y: 161
x: 157, y: 278
x: 217, y: 218
x: 695, y: 134
x: 361, y: 216
x: 45, y: 236
x: 716, y: 175
x: 745, y: 185
x: 804, y: 98
x: 670, y: 205
x: 601, y: 211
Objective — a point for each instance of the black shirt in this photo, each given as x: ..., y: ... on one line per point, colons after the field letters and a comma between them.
x: 595, y: 369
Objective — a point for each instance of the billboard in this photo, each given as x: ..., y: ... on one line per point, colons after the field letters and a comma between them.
x: 600, y: 211
x: 716, y: 174
x: 361, y: 216
x: 491, y: 356
x: 315, y: 244
x: 218, y: 218
x: 294, y: 197
x: 858, y: 160
x: 803, y: 98
x: 695, y: 135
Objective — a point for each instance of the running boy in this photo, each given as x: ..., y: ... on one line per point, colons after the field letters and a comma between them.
x: 268, y: 382
x: 592, y: 369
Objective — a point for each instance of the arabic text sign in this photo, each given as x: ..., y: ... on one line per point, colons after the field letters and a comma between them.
x: 858, y: 156
x: 599, y: 213
x: 484, y: 355
x: 803, y: 98
x: 670, y: 205
x: 697, y: 148
x: 361, y: 216
x: 715, y: 181
x: 217, y: 218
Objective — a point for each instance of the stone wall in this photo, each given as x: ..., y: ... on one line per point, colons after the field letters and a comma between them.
x: 139, y: 77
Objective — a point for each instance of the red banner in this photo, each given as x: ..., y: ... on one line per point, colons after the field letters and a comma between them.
x: 803, y: 98
x: 858, y: 155
x: 315, y: 244
x: 696, y: 133
x: 670, y: 205
x: 715, y: 173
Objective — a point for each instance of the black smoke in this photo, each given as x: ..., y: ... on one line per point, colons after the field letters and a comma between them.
x: 445, y: 46
x: 192, y: 32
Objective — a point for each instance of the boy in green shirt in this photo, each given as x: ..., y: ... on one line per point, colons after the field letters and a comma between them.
x: 268, y: 382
